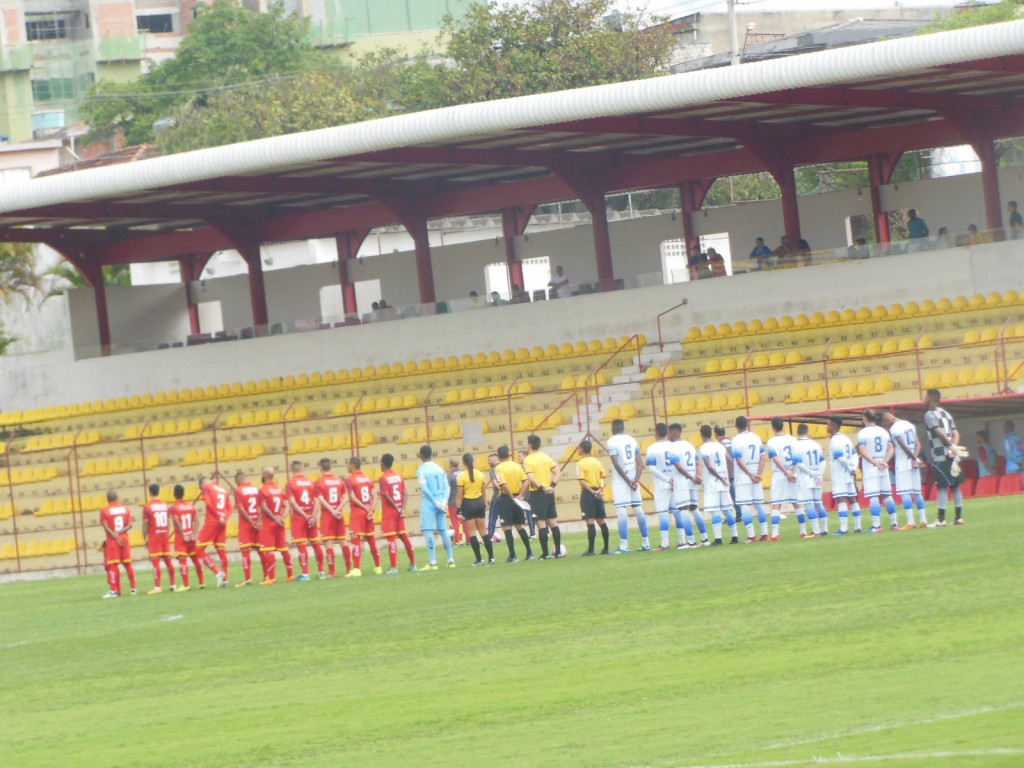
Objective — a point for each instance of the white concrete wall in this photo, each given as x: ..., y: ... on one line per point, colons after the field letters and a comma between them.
x: 146, y: 315
x: 30, y: 381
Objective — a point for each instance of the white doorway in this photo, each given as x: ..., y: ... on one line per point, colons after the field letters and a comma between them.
x: 211, y: 317
x: 367, y: 292
x: 332, y: 305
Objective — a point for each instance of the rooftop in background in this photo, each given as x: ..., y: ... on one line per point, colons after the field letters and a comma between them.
x: 759, y: 46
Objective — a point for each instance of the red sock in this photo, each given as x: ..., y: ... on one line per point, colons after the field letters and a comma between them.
x: 169, y: 564
x: 332, y: 567
x: 269, y: 565
x: 372, y: 541
x: 197, y: 561
x: 247, y: 564
x: 183, y: 564
x: 130, y: 569
x: 156, y: 572
x: 357, y: 552
x: 223, y: 552
x: 408, y: 548
x: 455, y: 524
x: 114, y: 578
x: 204, y: 559
x: 286, y: 555
x: 393, y: 551
x: 303, y: 559
x: 346, y: 552
x: 318, y: 553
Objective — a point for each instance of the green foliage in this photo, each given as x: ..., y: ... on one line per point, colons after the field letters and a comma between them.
x: 744, y: 188
x: 500, y: 51
x: 888, y: 650
x: 976, y: 16
x: 227, y: 46
x: 18, y: 278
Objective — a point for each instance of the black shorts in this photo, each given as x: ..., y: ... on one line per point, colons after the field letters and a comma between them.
x: 591, y: 506
x: 542, y: 505
x: 510, y: 513
x: 473, y: 509
x: 943, y: 473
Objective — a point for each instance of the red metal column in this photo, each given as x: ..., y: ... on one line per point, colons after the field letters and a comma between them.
x: 348, y: 244
x: 790, y: 206
x: 417, y: 228
x: 985, y: 148
x: 257, y: 287
x: 691, y: 198
x: 513, y: 224
x: 189, y: 274
x: 593, y: 199
x: 880, y: 168
x: 99, y: 291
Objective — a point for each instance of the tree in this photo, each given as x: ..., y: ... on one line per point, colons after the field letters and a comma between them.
x: 500, y: 51
x: 227, y: 46
x: 975, y: 16
x: 494, y: 52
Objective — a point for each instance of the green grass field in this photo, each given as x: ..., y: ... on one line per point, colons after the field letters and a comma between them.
x: 900, y: 649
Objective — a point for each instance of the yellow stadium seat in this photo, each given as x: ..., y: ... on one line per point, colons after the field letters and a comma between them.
x: 798, y: 395
x: 760, y: 360
x: 703, y: 404
x: 728, y: 364
x: 848, y: 316
x: 714, y: 365
x: 990, y: 334
x: 948, y: 379
x: 895, y: 311
x: 984, y: 374
x: 832, y: 317
x: 866, y: 387
x: 719, y: 402
x: 879, y: 313
x: 925, y: 342
x: 786, y: 323
x: 960, y: 303
x: 654, y: 372
x: 611, y: 414
x: 723, y: 330
x: 692, y: 335
x: 890, y: 346
x: 848, y: 388
x: 839, y: 352
x: 776, y: 358
x: 1010, y: 297
x: 873, y: 348
x: 793, y: 357
x: 973, y: 336
x: 755, y: 326
x: 739, y: 328
x: 965, y: 377
x: 688, y: 405
x: 857, y: 350
x: 771, y: 325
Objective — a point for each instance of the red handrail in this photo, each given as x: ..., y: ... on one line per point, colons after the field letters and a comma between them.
x: 824, y: 367
x: 661, y: 341
x: 508, y: 395
x: 10, y: 492
x: 142, y: 453
x: 917, y: 357
x: 1000, y: 353
x: 746, y: 379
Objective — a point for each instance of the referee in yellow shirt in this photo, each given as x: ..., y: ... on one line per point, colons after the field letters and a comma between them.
x: 471, y: 507
x: 512, y: 485
x: 591, y: 476
x: 543, y: 474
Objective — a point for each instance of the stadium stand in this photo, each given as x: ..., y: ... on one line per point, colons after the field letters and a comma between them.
x: 62, y: 459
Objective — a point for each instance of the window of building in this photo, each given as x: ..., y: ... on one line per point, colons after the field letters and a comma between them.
x: 50, y: 28
x: 155, y: 22
x: 53, y: 90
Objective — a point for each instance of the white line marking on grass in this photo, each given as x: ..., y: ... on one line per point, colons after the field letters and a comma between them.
x: 173, y: 618
x: 896, y: 724
x: 840, y: 759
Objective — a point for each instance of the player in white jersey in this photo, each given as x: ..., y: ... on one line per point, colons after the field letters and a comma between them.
x: 717, y: 499
x: 689, y: 475
x: 875, y: 447
x: 908, y: 467
x: 782, y: 452
x: 626, y: 468
x: 843, y: 469
x: 748, y: 458
x: 810, y: 471
x: 661, y: 461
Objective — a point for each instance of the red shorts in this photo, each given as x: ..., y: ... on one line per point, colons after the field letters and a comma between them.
x: 360, y: 525
x: 331, y: 528
x: 273, y: 537
x: 213, y: 533
x: 391, y: 523
x: 159, y: 544
x: 248, y: 537
x: 303, y: 531
x: 184, y: 548
x: 118, y: 550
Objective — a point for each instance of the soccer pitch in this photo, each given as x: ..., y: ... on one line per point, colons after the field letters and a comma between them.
x: 896, y: 649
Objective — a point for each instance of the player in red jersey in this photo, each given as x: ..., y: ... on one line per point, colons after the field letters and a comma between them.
x: 117, y: 521
x: 156, y: 530
x: 185, y: 518
x: 392, y: 503
x: 215, y: 527
x: 300, y: 494
x: 362, y: 497
x: 331, y: 497
x: 273, y: 536
x: 247, y: 501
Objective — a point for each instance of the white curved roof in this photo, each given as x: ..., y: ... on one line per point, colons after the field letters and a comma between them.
x: 854, y: 64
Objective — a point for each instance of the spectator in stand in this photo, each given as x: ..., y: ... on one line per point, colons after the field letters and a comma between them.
x: 803, y: 253
x: 784, y: 253
x: 859, y: 249
x: 943, y: 239
x: 697, y: 263
x: 973, y: 238
x: 1013, y: 447
x: 559, y: 285
x: 917, y: 230
x: 519, y: 296
x: 987, y: 456
x: 717, y: 263
x: 761, y: 253
x: 496, y: 300
x: 1015, y: 222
